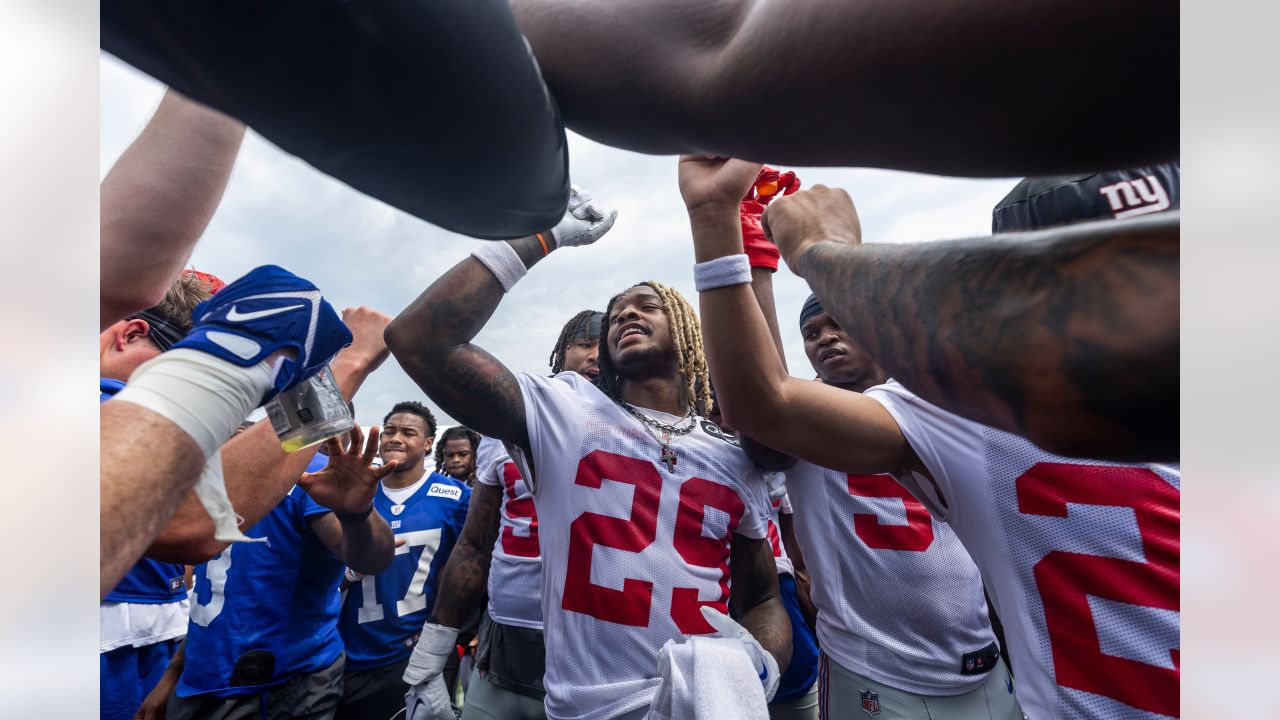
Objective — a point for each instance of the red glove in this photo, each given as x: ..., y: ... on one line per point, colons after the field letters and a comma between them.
x: 769, y: 183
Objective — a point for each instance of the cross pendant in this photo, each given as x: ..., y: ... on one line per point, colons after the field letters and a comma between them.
x: 668, y: 457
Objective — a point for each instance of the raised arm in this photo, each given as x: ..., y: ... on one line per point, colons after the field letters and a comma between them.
x: 353, y: 531
x: 257, y: 471
x: 431, y: 339
x: 827, y: 426
x: 987, y: 88
x: 157, y: 200
x: 1067, y: 336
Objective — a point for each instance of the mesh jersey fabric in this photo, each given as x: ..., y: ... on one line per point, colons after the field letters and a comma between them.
x: 1080, y: 558
x: 515, y: 571
x: 383, y: 614
x: 899, y: 599
x: 631, y: 550
x: 779, y: 506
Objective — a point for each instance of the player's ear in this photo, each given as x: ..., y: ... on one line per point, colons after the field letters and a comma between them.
x: 431, y: 440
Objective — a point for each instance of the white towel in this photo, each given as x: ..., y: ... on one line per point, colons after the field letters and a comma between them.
x: 707, y: 678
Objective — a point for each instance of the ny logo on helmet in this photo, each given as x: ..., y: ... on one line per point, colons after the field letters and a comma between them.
x: 1136, y: 197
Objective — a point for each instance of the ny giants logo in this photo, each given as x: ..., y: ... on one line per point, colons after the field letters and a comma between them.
x: 1136, y: 197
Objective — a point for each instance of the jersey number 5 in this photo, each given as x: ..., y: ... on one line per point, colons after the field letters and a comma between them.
x: 631, y: 604
x: 916, y: 535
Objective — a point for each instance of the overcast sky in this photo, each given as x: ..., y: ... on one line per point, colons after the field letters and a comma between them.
x: 360, y: 251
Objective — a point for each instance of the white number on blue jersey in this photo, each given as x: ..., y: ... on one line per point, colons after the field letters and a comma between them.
x: 215, y: 573
x: 414, y: 599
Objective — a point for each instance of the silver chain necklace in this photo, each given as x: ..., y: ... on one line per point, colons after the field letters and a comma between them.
x: 665, y: 435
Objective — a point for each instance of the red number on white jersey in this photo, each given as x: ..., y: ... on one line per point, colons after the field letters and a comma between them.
x: 1066, y: 579
x: 631, y: 604
x: 916, y: 535
x: 513, y: 544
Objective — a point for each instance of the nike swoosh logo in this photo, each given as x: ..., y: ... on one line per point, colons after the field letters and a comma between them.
x: 234, y: 316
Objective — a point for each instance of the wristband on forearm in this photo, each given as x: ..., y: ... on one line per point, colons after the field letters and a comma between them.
x: 503, y: 261
x: 357, y: 517
x: 722, y: 272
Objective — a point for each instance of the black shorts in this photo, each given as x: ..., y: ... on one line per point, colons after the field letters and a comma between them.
x: 437, y: 108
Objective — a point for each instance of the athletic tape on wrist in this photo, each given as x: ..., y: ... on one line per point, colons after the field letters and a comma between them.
x: 722, y: 272
x: 503, y: 261
x: 205, y: 396
x: 212, y: 492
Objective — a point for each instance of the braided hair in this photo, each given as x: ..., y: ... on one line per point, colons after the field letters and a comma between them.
x: 578, y: 324
x: 457, y: 432
x: 686, y: 336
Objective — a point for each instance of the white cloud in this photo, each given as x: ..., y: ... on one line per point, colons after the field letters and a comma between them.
x: 359, y: 251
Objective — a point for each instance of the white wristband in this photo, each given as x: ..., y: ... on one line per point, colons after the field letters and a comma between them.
x: 503, y: 261
x: 722, y: 272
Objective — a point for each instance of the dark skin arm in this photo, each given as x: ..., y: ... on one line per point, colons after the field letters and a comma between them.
x: 1066, y: 336
x: 983, y: 88
x: 753, y: 588
x: 346, y: 486
x: 466, y: 574
x: 787, y: 528
x: 431, y: 339
x: 156, y: 702
x: 761, y: 454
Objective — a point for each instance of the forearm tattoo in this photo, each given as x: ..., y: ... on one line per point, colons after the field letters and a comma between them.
x: 1068, y: 336
x: 466, y: 574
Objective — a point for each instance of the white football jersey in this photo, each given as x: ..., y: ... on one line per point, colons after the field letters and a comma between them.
x: 781, y: 506
x: 899, y: 599
x: 515, y: 573
x: 631, y: 549
x: 1080, y: 557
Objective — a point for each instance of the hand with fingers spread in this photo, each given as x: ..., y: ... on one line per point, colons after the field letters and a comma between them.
x: 820, y: 214
x: 348, y: 483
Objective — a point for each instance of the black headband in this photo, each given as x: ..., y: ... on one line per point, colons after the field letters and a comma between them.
x: 161, y: 331
x: 811, y: 308
x: 588, y: 327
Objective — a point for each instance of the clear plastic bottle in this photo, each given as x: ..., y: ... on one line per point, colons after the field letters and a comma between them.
x: 311, y: 412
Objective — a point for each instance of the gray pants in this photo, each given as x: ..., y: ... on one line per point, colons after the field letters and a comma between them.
x: 846, y: 694
x: 804, y: 707
x: 486, y: 701
x: 313, y: 696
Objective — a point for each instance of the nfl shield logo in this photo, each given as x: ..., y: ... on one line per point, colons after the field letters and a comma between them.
x: 870, y: 702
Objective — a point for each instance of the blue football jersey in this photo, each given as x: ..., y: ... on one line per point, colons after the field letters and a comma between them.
x: 262, y: 613
x: 383, y: 613
x: 149, y: 581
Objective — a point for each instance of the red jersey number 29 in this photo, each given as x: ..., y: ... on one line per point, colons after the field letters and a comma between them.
x: 631, y: 604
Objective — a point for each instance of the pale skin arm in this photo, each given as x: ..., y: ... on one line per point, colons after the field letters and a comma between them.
x: 1067, y: 336
x: 827, y: 426
x: 753, y: 587
x: 257, y: 471
x: 993, y: 88
x: 157, y: 200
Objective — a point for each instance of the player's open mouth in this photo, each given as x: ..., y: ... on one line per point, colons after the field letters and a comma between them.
x: 629, y: 331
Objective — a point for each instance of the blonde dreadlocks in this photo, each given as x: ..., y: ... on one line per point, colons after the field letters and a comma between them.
x: 686, y: 336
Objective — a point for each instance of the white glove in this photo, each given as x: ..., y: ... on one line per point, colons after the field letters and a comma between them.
x: 428, y: 699
x: 761, y: 659
x: 776, y: 482
x: 583, y: 222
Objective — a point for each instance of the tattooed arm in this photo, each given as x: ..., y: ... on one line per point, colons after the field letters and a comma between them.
x: 431, y: 340
x: 466, y: 574
x: 1067, y: 336
x: 753, y: 587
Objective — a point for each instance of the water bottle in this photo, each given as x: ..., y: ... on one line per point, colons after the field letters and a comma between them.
x: 311, y: 412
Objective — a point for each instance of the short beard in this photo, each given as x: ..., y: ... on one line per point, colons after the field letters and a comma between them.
x: 647, y: 365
